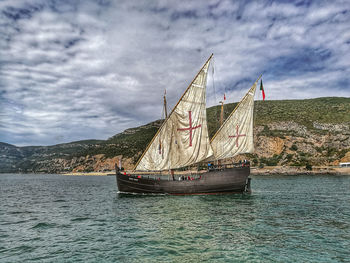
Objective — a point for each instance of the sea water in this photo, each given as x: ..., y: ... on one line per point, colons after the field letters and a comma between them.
x: 55, y: 218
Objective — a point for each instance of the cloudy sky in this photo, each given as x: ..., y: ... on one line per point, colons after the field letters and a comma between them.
x: 73, y: 70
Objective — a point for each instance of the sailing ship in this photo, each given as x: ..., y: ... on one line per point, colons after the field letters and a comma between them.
x: 183, y: 140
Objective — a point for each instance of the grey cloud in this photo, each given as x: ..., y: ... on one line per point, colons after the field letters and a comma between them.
x: 91, y: 69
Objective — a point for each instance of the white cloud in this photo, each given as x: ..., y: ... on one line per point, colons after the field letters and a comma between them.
x: 71, y: 71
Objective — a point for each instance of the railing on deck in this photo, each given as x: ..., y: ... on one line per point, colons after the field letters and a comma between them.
x: 221, y: 167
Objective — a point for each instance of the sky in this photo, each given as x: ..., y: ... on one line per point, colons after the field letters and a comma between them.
x: 75, y: 70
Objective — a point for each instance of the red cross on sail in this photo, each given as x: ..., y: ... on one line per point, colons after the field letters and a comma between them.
x: 237, y: 135
x: 190, y: 128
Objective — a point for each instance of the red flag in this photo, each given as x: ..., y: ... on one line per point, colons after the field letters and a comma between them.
x: 262, y: 89
x: 224, y: 96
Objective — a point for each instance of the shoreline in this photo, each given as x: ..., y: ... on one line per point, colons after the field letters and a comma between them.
x: 291, y: 170
x: 270, y: 170
x: 110, y: 173
x: 266, y: 171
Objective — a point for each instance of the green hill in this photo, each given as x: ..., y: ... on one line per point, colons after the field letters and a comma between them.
x: 296, y: 122
x: 304, y: 112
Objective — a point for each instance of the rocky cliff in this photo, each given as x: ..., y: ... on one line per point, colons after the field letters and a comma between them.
x: 296, y: 133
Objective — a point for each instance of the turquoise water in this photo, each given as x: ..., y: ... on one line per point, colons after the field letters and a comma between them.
x: 53, y: 218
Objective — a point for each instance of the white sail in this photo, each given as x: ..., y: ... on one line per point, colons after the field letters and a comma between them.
x: 183, y: 138
x: 235, y: 136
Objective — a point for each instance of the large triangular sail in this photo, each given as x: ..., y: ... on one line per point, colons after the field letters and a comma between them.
x: 183, y: 138
x: 235, y: 136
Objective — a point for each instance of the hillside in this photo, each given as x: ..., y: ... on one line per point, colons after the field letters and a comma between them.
x: 287, y: 132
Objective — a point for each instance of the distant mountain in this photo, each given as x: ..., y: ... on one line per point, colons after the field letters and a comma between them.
x: 28, y: 158
x: 287, y: 132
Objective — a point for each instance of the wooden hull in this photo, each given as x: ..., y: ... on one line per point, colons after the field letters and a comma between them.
x: 233, y: 180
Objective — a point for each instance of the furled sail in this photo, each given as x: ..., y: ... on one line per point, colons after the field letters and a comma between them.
x: 235, y: 136
x: 183, y: 138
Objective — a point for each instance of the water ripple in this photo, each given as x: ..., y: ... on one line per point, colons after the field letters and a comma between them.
x: 51, y: 218
x: 78, y: 219
x: 43, y: 225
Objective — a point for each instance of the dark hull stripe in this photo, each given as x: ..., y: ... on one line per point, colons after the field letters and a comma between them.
x: 213, y: 193
x: 143, y: 189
